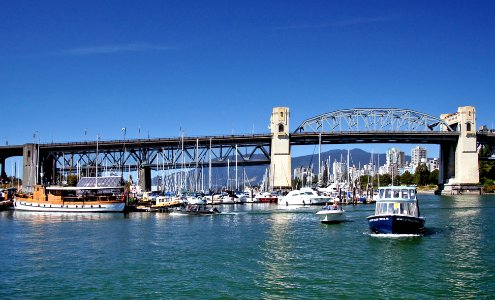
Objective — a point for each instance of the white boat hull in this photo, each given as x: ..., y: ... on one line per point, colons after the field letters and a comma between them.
x: 90, y: 208
x: 303, y: 201
x: 332, y: 216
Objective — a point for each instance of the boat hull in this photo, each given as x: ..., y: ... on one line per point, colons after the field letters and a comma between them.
x: 331, y: 216
x: 304, y: 201
x: 78, y: 208
x: 197, y: 212
x: 396, y: 224
x: 267, y: 199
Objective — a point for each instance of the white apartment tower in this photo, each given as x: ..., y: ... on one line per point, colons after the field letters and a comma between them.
x: 418, y: 154
x: 395, y: 156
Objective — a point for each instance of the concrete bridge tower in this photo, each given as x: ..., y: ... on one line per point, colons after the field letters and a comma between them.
x: 459, y: 170
x: 30, y: 167
x: 280, y: 168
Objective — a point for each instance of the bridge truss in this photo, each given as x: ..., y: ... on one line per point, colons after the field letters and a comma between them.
x: 373, y: 120
x: 115, y: 157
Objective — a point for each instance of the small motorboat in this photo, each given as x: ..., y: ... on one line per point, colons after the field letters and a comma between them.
x: 332, y: 214
x: 196, y: 210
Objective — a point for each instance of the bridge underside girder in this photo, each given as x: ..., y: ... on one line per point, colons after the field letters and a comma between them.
x: 160, y: 154
x: 373, y: 137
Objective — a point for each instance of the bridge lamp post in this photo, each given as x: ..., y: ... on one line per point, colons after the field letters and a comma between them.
x: 123, y: 155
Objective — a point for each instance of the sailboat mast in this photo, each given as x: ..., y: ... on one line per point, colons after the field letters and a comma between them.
x: 228, y: 174
x: 96, y: 160
x: 196, y: 171
x: 319, y: 157
x: 209, y: 168
x: 236, y: 186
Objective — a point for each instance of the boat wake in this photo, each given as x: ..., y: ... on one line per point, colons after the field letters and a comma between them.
x: 392, y: 235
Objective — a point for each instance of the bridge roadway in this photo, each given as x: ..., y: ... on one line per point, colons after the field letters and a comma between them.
x: 260, y: 143
x: 296, y: 139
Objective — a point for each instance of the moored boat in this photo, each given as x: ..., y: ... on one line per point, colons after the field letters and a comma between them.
x: 266, y: 197
x: 196, y: 210
x: 86, y: 197
x: 304, y: 196
x: 397, y: 211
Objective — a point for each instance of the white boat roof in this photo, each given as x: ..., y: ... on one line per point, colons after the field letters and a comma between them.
x: 394, y: 187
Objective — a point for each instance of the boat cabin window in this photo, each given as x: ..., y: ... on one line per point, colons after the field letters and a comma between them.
x: 404, y: 194
x: 408, y: 209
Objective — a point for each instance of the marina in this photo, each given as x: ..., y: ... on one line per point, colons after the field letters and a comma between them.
x: 247, y: 150
x: 257, y: 250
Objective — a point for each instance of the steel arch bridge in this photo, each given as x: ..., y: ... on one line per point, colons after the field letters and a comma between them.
x: 373, y: 120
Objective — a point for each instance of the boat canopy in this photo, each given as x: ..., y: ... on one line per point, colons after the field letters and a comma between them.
x: 397, y: 193
x: 100, y: 182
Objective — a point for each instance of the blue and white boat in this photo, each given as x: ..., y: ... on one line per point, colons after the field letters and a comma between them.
x: 396, y: 211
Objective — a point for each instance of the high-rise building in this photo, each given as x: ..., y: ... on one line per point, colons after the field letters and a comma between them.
x: 418, y: 154
x: 395, y: 156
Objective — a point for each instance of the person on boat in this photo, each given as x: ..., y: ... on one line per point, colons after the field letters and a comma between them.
x: 327, y: 206
x: 335, y: 205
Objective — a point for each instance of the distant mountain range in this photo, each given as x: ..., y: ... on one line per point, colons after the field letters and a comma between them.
x: 254, y: 174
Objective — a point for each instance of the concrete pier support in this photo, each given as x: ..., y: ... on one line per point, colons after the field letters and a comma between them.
x: 459, y: 163
x: 30, y: 164
x: 145, y: 178
x: 3, y: 174
x: 280, y: 168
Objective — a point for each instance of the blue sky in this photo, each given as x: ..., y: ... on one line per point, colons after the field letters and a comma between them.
x: 215, y: 67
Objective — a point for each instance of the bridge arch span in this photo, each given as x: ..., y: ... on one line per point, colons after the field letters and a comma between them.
x: 373, y: 120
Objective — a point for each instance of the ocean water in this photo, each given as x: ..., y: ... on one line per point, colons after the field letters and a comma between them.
x: 251, y: 251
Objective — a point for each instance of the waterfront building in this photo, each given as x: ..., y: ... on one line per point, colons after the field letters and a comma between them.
x: 395, y: 156
x: 417, y: 154
x: 433, y: 164
x: 393, y: 170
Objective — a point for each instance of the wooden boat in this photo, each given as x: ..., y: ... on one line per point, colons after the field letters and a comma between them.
x: 72, y: 199
x: 397, y: 211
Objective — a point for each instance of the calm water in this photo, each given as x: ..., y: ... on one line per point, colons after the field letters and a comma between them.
x: 251, y: 251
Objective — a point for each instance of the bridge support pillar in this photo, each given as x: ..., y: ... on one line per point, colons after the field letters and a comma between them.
x: 29, y: 170
x: 3, y: 174
x: 280, y: 168
x: 145, y: 178
x: 465, y: 174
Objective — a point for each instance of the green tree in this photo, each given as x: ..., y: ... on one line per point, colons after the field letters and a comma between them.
x: 296, y: 183
x: 433, y: 178
x: 324, y: 177
x: 406, y: 178
x: 397, y: 180
x: 385, y: 180
x: 487, y: 168
x: 422, y: 175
